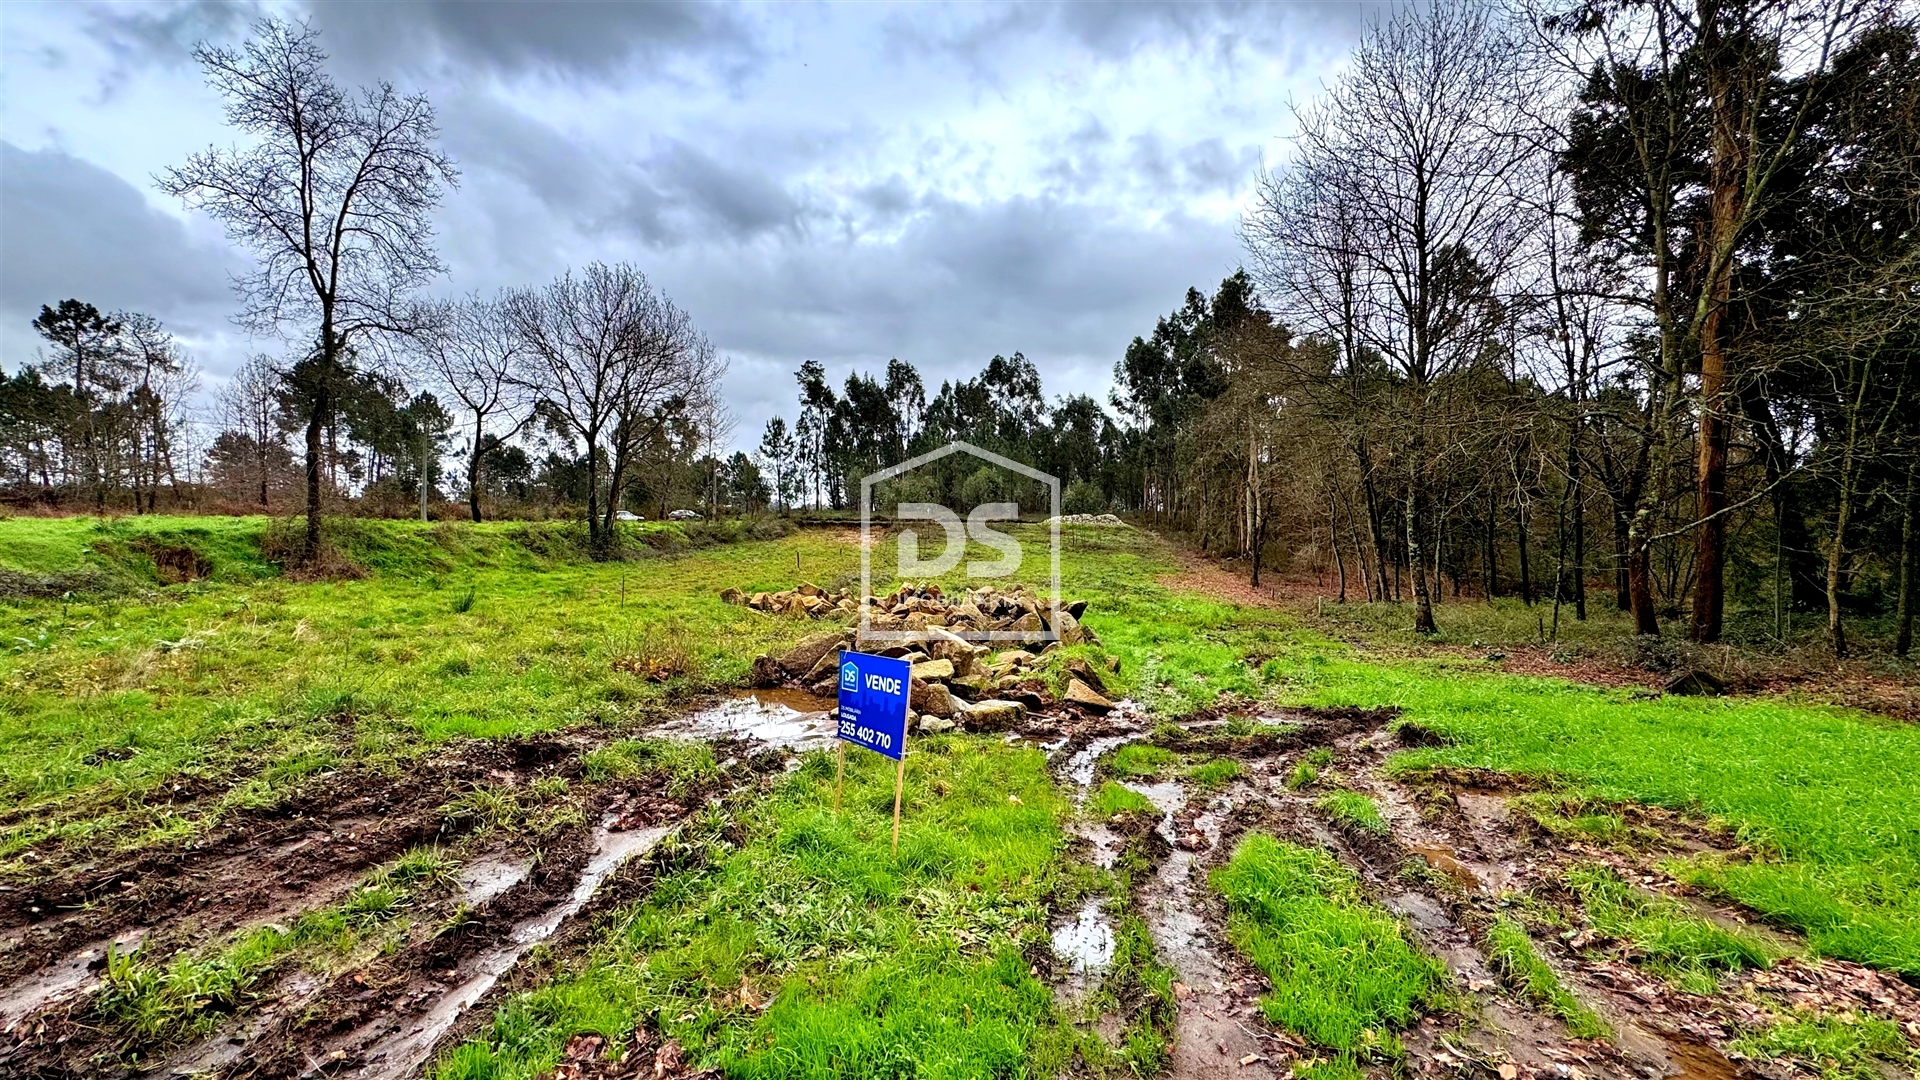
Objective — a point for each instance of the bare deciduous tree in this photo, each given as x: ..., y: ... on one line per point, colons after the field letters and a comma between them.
x: 1399, y: 219
x: 473, y: 353
x: 616, y: 363
x: 333, y: 196
x: 249, y: 404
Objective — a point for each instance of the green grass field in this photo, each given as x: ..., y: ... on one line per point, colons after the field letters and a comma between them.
x: 246, y: 684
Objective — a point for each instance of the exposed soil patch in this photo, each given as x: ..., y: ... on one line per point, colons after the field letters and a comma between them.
x: 511, y: 893
x: 1449, y: 855
x: 259, y: 865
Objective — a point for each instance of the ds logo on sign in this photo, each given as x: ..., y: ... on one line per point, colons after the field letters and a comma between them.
x: 850, y: 677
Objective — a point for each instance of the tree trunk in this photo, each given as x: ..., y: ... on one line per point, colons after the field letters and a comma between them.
x: 1576, y: 496
x: 1709, y: 589
x: 473, y: 468
x: 1333, y: 535
x: 1259, y: 541
x: 322, y: 405
x: 1836, y: 555
x: 1365, y: 458
x: 1490, y: 579
x: 1522, y: 526
x: 1416, y: 565
x: 594, y: 539
x: 1903, y: 603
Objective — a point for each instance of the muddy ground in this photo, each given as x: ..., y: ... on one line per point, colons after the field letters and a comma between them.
x: 1456, y: 851
x: 464, y: 945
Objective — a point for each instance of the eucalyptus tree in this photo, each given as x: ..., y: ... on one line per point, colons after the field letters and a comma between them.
x: 1692, y: 127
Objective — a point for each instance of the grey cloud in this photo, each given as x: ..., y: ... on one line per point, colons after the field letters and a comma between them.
x: 482, y: 132
x: 676, y: 193
x: 1066, y: 283
x: 1116, y: 29
x: 738, y: 200
x: 72, y: 228
x: 155, y: 35
x: 582, y: 39
x: 586, y: 39
x: 1207, y: 166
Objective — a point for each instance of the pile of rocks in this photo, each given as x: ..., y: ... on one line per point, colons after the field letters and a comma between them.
x: 925, y: 607
x: 1084, y: 519
x: 804, y: 599
x: 957, y: 683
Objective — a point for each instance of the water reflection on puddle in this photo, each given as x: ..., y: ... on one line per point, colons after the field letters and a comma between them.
x: 789, y: 719
x: 1085, y: 944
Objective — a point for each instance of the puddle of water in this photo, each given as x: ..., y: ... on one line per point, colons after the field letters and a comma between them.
x: 1046, y: 747
x: 1482, y: 810
x: 1080, y: 766
x: 223, y: 1049
x: 1443, y: 860
x: 1086, y: 944
x: 63, y: 978
x: 400, y: 1052
x: 1107, y: 845
x: 1168, y: 797
x: 1698, y: 1061
x: 486, y: 879
x: 780, y: 718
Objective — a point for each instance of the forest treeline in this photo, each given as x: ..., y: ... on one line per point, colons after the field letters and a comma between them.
x: 1605, y: 302
x: 594, y: 391
x: 1545, y: 298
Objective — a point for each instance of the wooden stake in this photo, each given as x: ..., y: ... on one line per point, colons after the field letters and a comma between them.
x: 899, y: 785
x: 840, y: 775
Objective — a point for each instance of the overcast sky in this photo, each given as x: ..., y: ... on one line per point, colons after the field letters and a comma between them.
x: 846, y: 183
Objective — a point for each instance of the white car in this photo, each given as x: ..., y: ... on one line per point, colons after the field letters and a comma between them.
x: 684, y: 515
x: 628, y: 515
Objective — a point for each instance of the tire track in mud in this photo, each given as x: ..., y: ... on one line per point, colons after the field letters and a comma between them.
x: 389, y: 1015
x: 257, y: 867
x: 1482, y: 852
x: 1474, y: 850
x: 1219, y: 1030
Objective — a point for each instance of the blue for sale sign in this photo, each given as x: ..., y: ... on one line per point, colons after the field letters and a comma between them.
x: 873, y: 702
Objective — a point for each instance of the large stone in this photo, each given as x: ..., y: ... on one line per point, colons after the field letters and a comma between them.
x: 825, y: 667
x: 970, y: 687
x: 1077, y: 608
x: 934, y: 725
x: 800, y: 659
x: 808, y: 588
x: 1083, y: 671
x: 767, y: 672
x: 1069, y: 629
x: 732, y: 596
x: 1028, y: 624
x: 1079, y: 693
x: 993, y: 715
x: 947, y: 645
x: 933, y: 669
x: 933, y: 699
